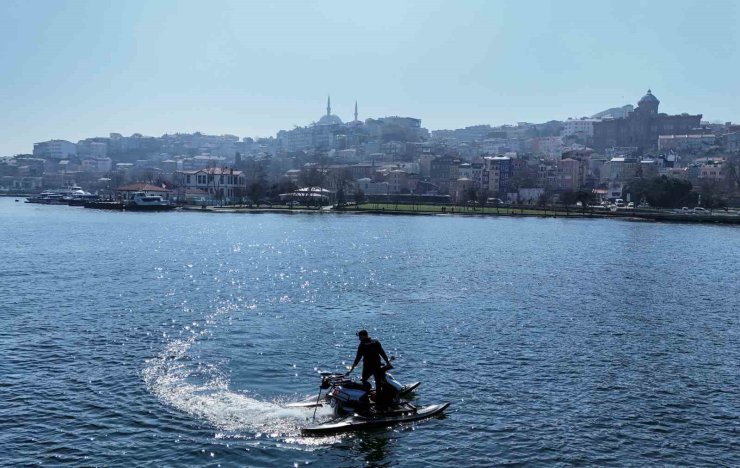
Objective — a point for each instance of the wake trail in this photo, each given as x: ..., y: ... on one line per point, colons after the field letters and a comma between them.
x: 169, y: 377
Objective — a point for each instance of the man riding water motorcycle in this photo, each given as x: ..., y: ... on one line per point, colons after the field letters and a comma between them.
x: 370, y: 351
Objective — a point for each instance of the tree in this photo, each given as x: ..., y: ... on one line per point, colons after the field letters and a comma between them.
x: 568, y: 197
x: 585, y: 197
x: 470, y: 194
x: 116, y: 180
x: 521, y: 180
x: 710, y: 197
x: 341, y: 181
x: 482, y: 196
x: 255, y: 191
x: 284, y: 186
x: 733, y: 173
x: 341, y: 198
x: 663, y: 191
x: 240, y: 193
x: 310, y: 178
x: 359, y: 196
x: 215, y: 183
x: 545, y: 198
x: 148, y: 175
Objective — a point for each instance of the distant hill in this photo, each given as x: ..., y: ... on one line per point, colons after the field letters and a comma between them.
x: 614, y: 112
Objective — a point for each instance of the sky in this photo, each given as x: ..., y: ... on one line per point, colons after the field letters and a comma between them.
x: 78, y: 69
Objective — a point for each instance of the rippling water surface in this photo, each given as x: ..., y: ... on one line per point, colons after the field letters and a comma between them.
x: 177, y: 338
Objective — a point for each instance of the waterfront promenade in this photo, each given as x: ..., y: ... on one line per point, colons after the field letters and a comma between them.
x: 720, y: 216
x: 664, y: 215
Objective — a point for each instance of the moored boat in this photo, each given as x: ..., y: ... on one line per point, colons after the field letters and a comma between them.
x: 47, y: 197
x: 61, y: 196
x: 140, y: 201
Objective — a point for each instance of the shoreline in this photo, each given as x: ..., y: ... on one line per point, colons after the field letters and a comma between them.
x: 435, y: 210
x: 510, y: 213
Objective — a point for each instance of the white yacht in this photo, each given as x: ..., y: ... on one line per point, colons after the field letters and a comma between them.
x: 143, y: 202
x: 56, y: 196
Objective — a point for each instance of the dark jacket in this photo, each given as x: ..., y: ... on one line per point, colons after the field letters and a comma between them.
x: 370, y: 351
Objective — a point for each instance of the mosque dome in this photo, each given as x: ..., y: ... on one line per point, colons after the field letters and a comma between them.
x: 330, y: 119
x: 648, y: 99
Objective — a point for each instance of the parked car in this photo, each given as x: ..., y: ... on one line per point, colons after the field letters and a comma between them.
x: 631, y: 205
x: 700, y: 210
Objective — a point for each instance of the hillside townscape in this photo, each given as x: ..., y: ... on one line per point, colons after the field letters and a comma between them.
x: 632, y: 154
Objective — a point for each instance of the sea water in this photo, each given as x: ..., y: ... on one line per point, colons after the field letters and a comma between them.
x: 178, y: 338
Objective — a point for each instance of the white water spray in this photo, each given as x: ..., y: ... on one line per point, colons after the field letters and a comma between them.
x: 169, y: 376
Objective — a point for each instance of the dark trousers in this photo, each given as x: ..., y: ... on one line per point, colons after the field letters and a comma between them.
x: 378, y: 376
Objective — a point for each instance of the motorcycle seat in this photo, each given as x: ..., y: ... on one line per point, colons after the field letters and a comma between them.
x: 356, y: 385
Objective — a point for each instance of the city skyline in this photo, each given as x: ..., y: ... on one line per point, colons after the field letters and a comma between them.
x: 252, y: 70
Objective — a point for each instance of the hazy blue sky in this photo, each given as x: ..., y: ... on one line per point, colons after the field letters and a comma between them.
x: 75, y: 69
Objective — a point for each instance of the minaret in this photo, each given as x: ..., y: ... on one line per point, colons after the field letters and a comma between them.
x: 328, y: 105
x: 355, y: 111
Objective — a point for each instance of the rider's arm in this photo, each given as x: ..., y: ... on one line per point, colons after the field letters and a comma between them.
x: 382, y: 353
x: 357, y: 358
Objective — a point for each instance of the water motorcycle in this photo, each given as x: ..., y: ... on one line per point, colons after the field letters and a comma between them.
x: 357, y: 406
x: 345, y: 395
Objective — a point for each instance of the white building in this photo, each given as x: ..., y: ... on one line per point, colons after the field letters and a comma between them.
x: 732, y: 141
x: 97, y: 164
x: 472, y: 133
x: 92, y: 148
x: 55, y: 149
x: 581, y: 128
x: 500, y: 145
x: 203, y: 161
x: 125, y: 168
x: 495, y: 174
x: 397, y: 181
x: 220, y: 183
x: 550, y: 147
x: 529, y: 195
x: 347, y: 154
x: 369, y: 187
x: 619, y: 170
x: 300, y: 138
x: 685, y: 142
x: 712, y: 169
x: 465, y: 171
